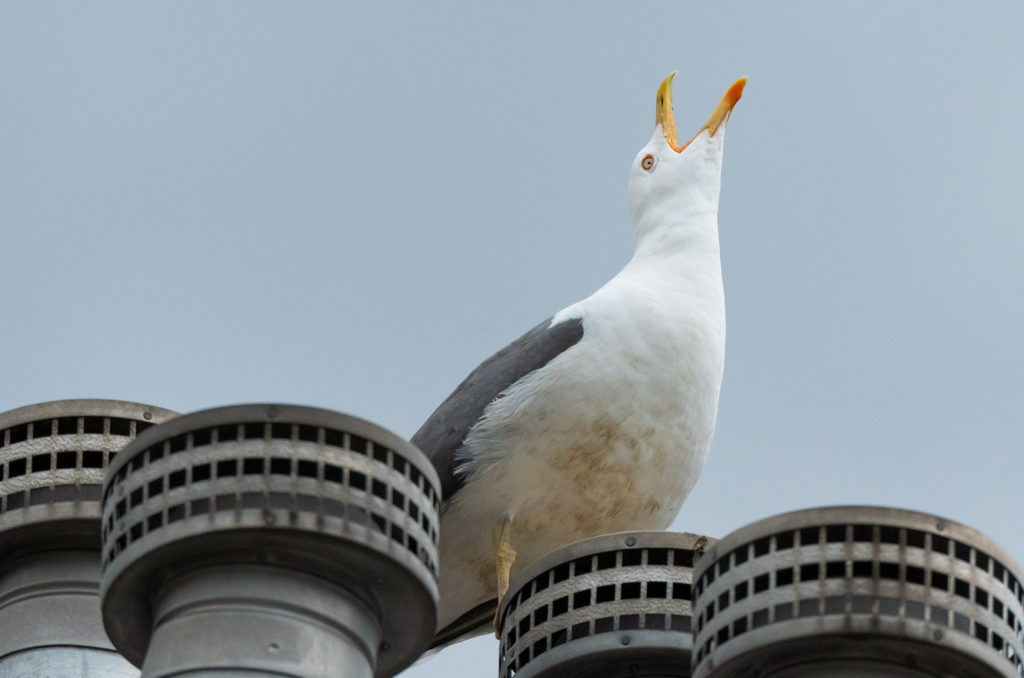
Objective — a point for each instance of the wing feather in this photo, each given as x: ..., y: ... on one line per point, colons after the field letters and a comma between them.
x: 442, y: 434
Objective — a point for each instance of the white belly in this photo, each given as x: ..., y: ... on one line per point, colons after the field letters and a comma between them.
x: 590, y: 444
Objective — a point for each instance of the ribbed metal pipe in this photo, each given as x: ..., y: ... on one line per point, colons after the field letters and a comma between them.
x: 65, y: 661
x: 50, y: 621
x: 263, y: 619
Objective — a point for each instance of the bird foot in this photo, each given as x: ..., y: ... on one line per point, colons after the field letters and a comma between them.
x: 504, y: 557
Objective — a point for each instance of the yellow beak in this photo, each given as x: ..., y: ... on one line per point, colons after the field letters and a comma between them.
x: 664, y: 116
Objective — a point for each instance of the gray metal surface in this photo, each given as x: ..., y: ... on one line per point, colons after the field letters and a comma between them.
x: 53, y: 457
x: 50, y: 623
x: 855, y: 591
x: 66, y: 662
x: 262, y: 619
x: 51, y: 599
x: 304, y: 491
x: 614, y: 605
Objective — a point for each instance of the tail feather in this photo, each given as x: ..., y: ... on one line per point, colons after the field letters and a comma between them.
x: 476, y: 622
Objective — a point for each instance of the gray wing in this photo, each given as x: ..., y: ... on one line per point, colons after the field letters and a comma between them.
x: 442, y: 434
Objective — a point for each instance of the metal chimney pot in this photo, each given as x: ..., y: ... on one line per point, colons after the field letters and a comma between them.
x: 270, y: 540
x: 53, y: 457
x: 614, y: 605
x: 856, y: 592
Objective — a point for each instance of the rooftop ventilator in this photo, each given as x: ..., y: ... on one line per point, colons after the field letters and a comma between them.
x: 276, y: 540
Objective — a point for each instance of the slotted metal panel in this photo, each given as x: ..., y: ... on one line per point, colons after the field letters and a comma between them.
x: 53, y: 457
x: 615, y: 605
x: 857, y: 589
x: 271, y: 493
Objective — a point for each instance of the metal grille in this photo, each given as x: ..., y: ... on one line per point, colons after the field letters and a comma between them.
x: 53, y: 457
x: 264, y: 468
x: 856, y: 571
x: 628, y: 592
x: 307, y: 489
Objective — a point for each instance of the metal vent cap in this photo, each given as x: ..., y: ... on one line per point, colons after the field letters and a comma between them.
x: 858, y: 588
x: 614, y: 605
x: 301, y: 489
x: 53, y: 458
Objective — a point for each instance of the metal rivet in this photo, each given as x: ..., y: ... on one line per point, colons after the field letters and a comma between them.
x: 273, y: 648
x: 941, y: 525
x: 631, y: 541
x: 147, y: 415
x: 271, y: 412
x: 268, y: 517
x: 937, y: 635
x: 625, y: 640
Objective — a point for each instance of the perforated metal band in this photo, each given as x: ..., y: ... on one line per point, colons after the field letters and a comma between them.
x: 615, y: 604
x: 806, y: 586
x: 53, y: 457
x: 307, y: 489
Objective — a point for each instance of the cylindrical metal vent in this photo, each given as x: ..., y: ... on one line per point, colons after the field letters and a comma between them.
x: 858, y: 591
x: 614, y: 605
x: 270, y: 539
x: 53, y: 457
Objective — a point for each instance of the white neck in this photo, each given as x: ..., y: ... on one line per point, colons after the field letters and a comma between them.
x: 694, y: 236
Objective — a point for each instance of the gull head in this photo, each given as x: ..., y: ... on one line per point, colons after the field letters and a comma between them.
x: 672, y: 184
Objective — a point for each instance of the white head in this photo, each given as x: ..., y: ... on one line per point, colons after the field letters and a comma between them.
x: 676, y: 187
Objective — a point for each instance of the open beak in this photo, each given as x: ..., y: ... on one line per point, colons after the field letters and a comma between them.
x: 665, y: 117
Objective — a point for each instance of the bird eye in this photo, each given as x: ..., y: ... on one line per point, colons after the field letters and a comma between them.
x: 648, y: 162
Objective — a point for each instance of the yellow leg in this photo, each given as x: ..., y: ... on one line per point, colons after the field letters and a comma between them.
x: 504, y: 556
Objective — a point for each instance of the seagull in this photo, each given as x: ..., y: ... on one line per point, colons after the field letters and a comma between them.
x: 599, y: 419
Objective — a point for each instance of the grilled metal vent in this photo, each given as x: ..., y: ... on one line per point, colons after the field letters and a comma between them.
x: 858, y: 586
x: 307, y: 490
x: 53, y: 457
x: 298, y: 480
x: 619, y: 604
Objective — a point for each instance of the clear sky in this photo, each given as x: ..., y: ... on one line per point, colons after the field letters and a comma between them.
x: 351, y: 205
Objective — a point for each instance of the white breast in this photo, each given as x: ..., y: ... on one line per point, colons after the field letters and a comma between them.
x: 611, y: 435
